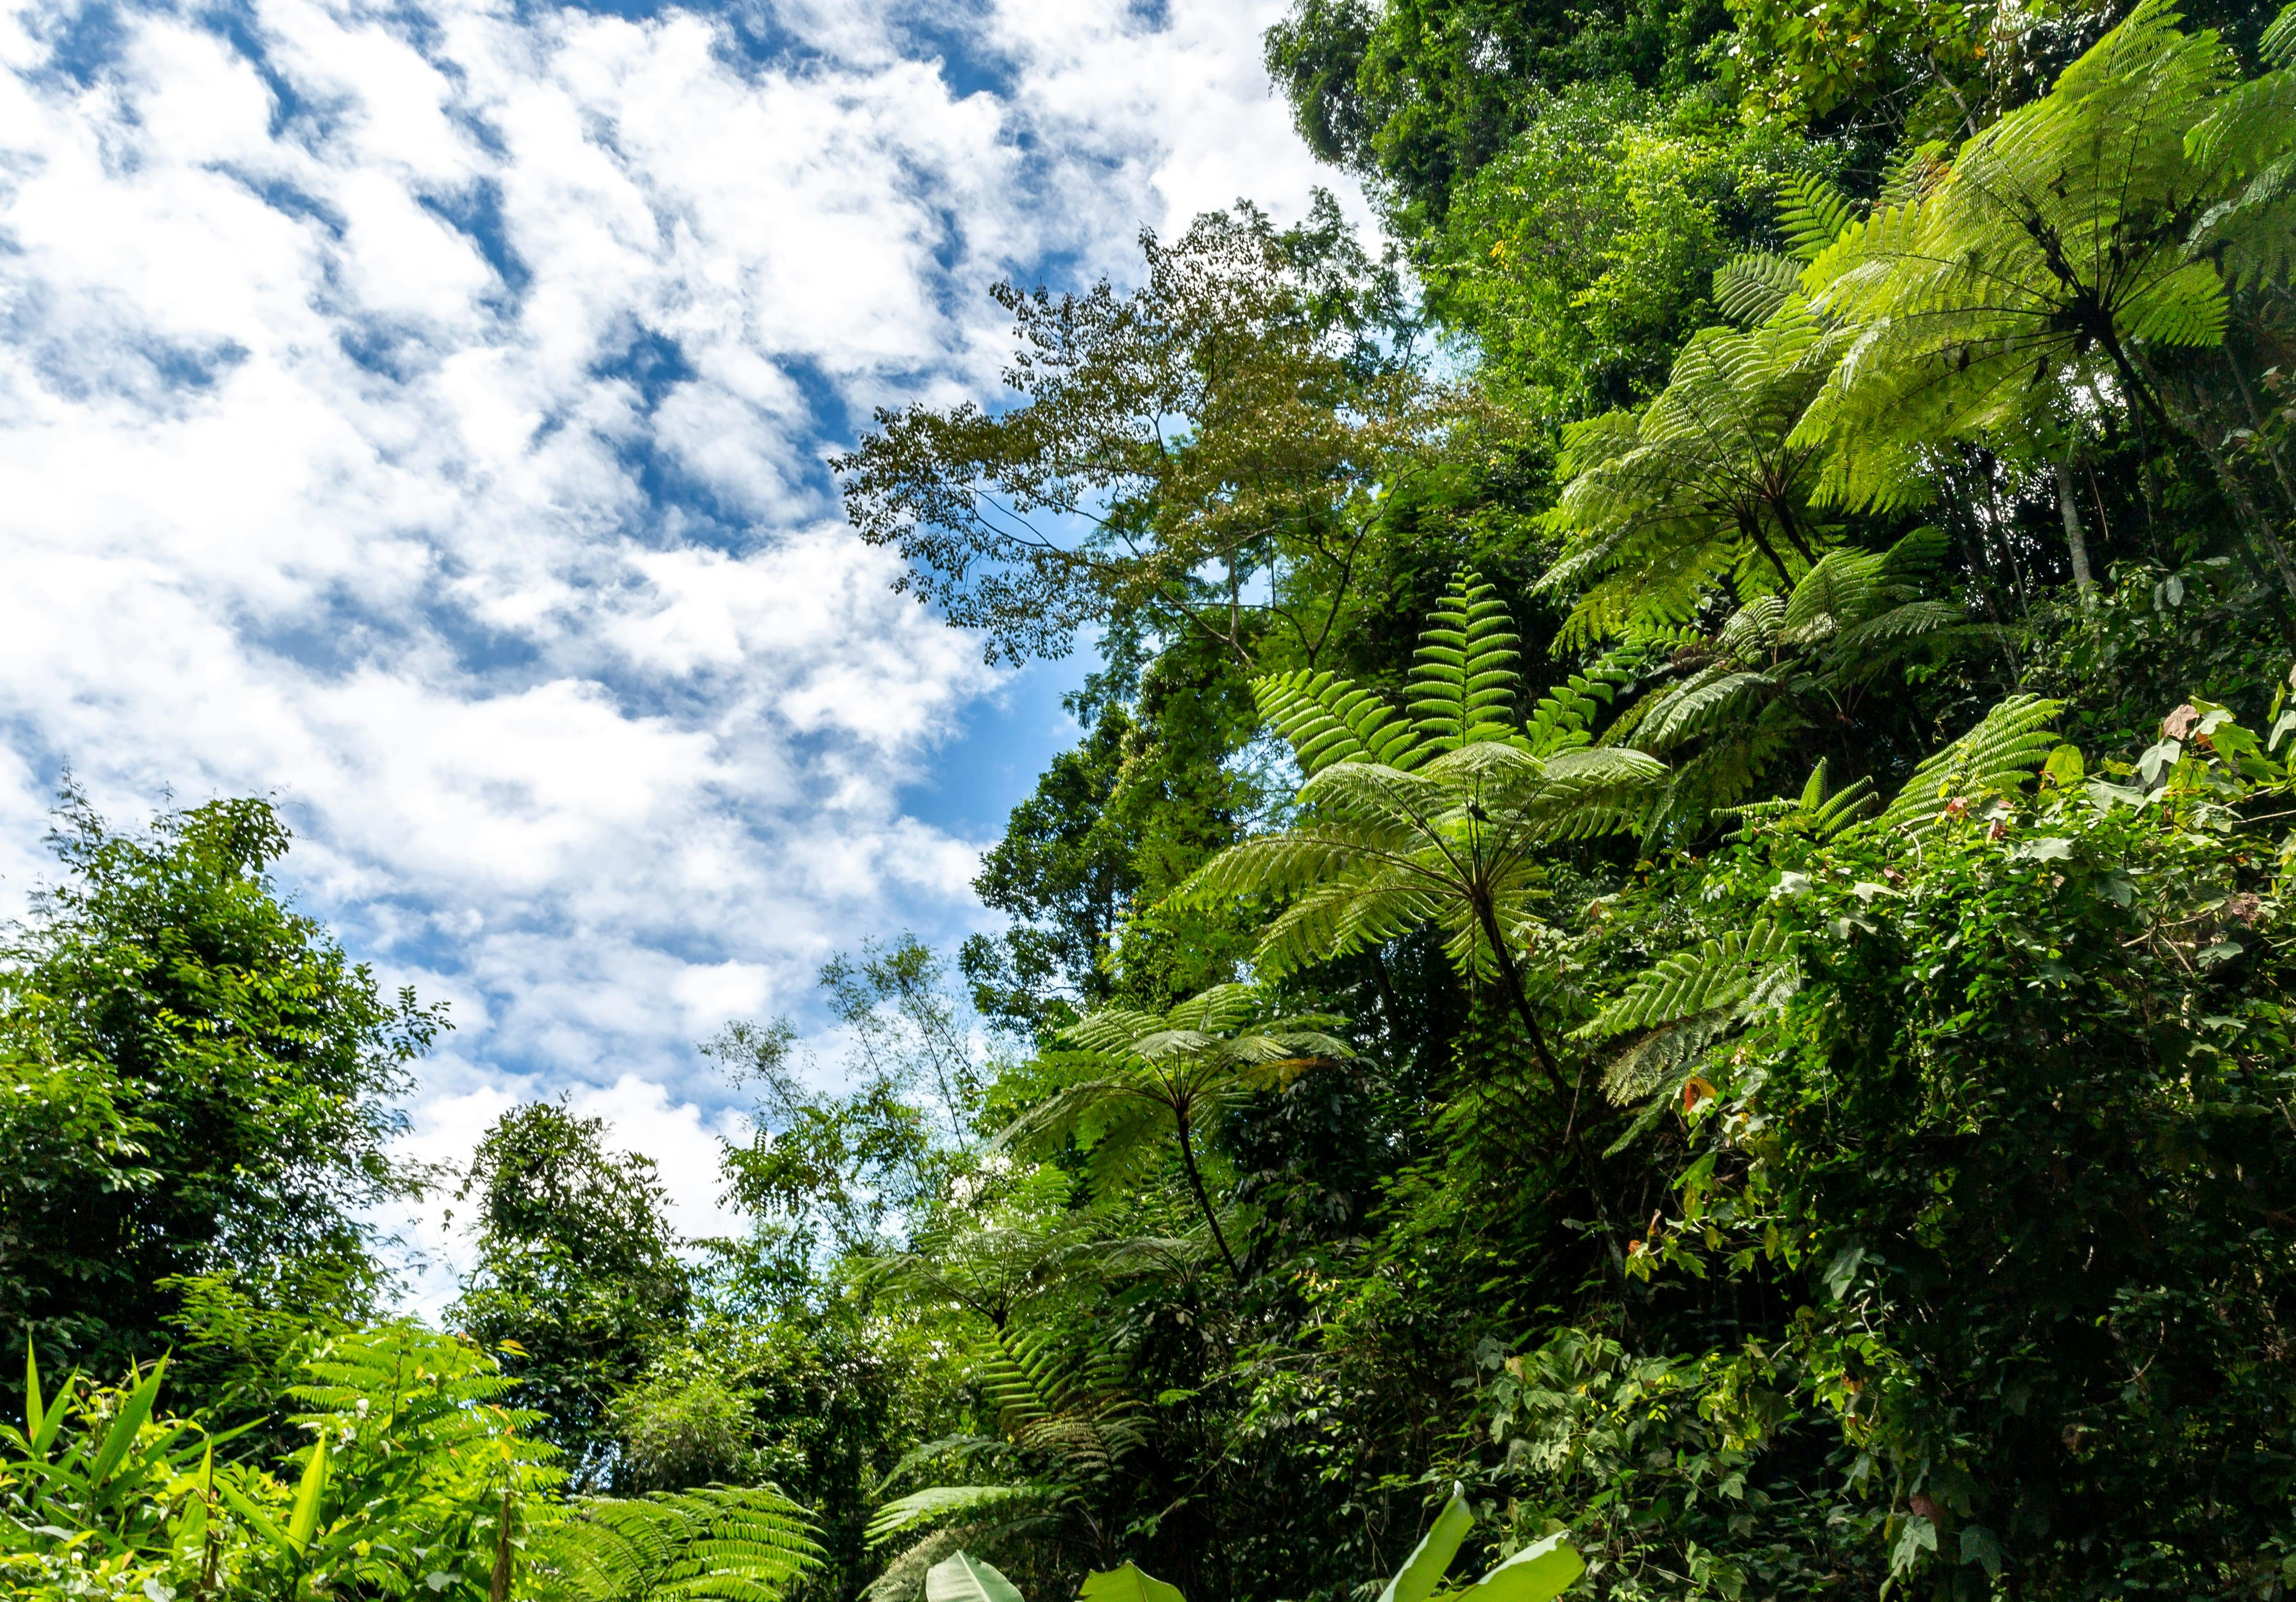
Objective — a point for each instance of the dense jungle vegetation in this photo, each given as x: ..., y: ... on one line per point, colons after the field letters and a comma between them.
x: 1668, y: 907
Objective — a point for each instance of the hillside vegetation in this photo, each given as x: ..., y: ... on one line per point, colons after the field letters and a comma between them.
x: 1662, y: 960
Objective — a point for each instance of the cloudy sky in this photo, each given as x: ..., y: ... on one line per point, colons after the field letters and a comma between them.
x: 416, y: 411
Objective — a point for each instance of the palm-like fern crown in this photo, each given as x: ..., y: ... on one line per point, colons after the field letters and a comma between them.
x: 1437, y: 820
x: 1705, y: 484
x: 2060, y: 244
x: 1145, y: 1072
x: 1463, y: 687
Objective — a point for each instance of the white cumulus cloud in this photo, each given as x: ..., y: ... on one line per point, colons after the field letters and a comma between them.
x: 418, y: 412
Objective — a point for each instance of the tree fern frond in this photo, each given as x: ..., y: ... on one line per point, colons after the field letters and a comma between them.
x: 2278, y: 44
x: 1836, y: 594
x: 1463, y: 683
x: 1913, y: 172
x: 1566, y: 714
x: 1661, y: 1058
x: 1914, y: 620
x: 1327, y: 720
x: 2005, y: 748
x: 939, y: 1503
x: 1692, y: 708
x: 1719, y: 974
x: 750, y: 1544
x: 1749, y: 288
x: 1812, y: 213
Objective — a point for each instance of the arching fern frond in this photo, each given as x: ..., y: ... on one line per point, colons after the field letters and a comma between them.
x: 1328, y: 719
x: 745, y: 1544
x: 1566, y: 714
x: 2005, y: 748
x: 1749, y: 288
x: 1719, y: 974
x: 937, y: 1503
x: 1812, y: 214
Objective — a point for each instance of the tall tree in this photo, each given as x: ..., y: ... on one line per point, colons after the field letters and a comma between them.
x: 1206, y: 450
x: 578, y: 1281
x: 199, y: 1082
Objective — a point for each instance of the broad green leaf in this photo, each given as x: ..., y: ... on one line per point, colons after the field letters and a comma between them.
x: 258, y: 1520
x: 303, y: 1521
x: 133, y: 1412
x: 54, y: 1419
x: 1126, y: 1584
x: 964, y: 1578
x: 1431, y: 1559
x: 33, y: 1411
x: 1539, y: 1573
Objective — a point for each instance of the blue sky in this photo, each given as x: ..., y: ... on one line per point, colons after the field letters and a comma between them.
x: 416, y: 410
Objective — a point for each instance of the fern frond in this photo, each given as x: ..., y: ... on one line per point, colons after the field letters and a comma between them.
x: 1463, y: 683
x: 746, y: 1544
x: 1750, y: 288
x: 1661, y: 1058
x: 1812, y: 213
x: 1327, y: 720
x: 937, y: 1503
x: 2005, y: 748
x: 1566, y: 714
x: 1719, y: 974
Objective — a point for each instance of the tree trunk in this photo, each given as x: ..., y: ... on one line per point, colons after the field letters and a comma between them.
x: 2076, y: 542
x: 1196, y: 1184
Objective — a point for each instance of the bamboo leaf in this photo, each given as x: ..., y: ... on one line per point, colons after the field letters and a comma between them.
x: 133, y: 1412
x: 303, y: 1519
x: 34, y: 1410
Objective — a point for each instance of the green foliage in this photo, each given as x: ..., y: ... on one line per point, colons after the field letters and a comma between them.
x: 2053, y: 255
x: 1421, y: 92
x: 1708, y: 483
x: 1777, y: 671
x: 2006, y: 1137
x: 1576, y: 259
x: 1067, y: 1420
x: 577, y: 1280
x: 1236, y: 413
x: 199, y: 1082
x: 418, y: 1480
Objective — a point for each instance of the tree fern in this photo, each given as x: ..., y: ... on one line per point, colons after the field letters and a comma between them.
x: 2058, y: 247
x: 1779, y: 666
x: 1445, y: 832
x: 1705, y: 485
x: 1145, y: 1077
